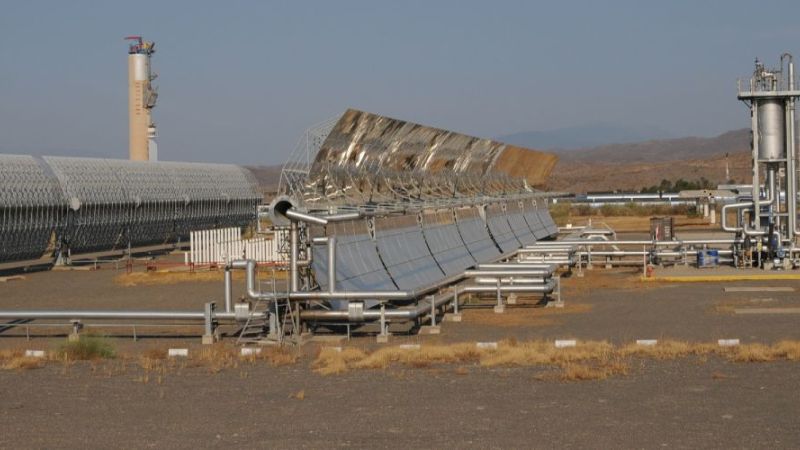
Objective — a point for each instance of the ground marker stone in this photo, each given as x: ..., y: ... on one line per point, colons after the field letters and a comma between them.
x: 34, y: 353
x: 646, y: 341
x: 178, y: 352
x: 728, y: 342
x: 250, y: 351
x: 564, y: 343
x: 409, y: 346
x: 486, y: 345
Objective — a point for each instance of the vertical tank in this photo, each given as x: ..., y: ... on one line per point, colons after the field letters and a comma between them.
x: 771, y: 130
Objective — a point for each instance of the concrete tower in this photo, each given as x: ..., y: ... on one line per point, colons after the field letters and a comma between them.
x: 142, y: 97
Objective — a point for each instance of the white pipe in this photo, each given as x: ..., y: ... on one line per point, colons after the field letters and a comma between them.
x: 332, y: 264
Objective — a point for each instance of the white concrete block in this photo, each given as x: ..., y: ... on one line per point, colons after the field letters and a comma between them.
x: 563, y: 343
x: 486, y: 345
x: 646, y: 342
x: 728, y: 342
x: 34, y: 353
x: 250, y: 351
x: 178, y: 352
x: 409, y: 346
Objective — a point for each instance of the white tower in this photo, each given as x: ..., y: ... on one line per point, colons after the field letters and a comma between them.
x: 142, y: 97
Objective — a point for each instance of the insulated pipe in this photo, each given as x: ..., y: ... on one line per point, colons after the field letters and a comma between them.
x: 541, y: 289
x: 332, y: 264
x: 737, y: 206
x: 403, y: 314
x: 341, y: 217
x: 510, y: 280
x: 111, y: 315
x: 228, y: 290
x: 297, y: 216
x: 293, y: 271
x: 676, y: 243
x: 249, y: 266
x: 508, y: 273
x: 406, y: 314
x: 514, y: 266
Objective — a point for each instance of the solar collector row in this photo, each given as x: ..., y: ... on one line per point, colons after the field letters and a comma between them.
x: 89, y: 204
x: 410, y: 254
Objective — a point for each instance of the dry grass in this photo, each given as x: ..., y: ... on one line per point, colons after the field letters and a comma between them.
x: 277, y: 356
x: 665, y: 349
x: 23, y: 363
x: 784, y: 350
x: 593, y: 280
x: 329, y: 361
x: 588, y: 372
x: 165, y: 277
x: 589, y: 360
x: 215, y: 357
x: 545, y: 353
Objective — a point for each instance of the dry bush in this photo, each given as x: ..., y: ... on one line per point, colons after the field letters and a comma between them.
x: 278, y: 356
x: 749, y: 353
x: 330, y: 361
x: 665, y: 349
x: 215, y: 357
x: 155, y: 353
x: 789, y: 350
x: 584, y: 372
x: 299, y: 395
x: 22, y: 363
x: 423, y: 357
x: 545, y: 353
x: 11, y: 353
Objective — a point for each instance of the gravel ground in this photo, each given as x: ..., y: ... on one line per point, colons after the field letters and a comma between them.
x: 685, y: 403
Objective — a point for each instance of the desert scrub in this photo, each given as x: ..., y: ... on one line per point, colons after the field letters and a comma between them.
x: 86, y: 349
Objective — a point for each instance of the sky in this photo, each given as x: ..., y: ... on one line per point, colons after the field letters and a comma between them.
x: 239, y: 81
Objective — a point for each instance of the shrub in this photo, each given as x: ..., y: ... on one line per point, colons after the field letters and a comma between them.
x: 87, y: 348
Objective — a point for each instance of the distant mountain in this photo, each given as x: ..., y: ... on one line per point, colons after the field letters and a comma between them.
x: 582, y: 136
x: 632, y: 166
x: 662, y: 150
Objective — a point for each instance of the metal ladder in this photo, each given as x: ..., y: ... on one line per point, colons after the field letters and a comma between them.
x: 253, y: 329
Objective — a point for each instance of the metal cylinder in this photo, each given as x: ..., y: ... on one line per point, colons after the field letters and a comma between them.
x: 332, y: 264
x: 228, y: 290
x: 771, y: 130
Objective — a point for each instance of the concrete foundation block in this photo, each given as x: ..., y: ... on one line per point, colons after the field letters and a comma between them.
x: 74, y: 337
x: 512, y: 299
x: 452, y: 317
x: 209, y: 339
x: 499, y: 309
x: 383, y: 338
x: 554, y: 304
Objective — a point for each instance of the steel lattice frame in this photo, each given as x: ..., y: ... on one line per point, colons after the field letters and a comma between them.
x: 83, y: 205
x: 370, y: 162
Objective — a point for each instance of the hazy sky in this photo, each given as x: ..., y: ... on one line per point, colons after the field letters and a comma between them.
x: 239, y: 81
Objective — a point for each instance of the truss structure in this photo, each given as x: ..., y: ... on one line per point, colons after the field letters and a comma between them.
x: 369, y: 162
